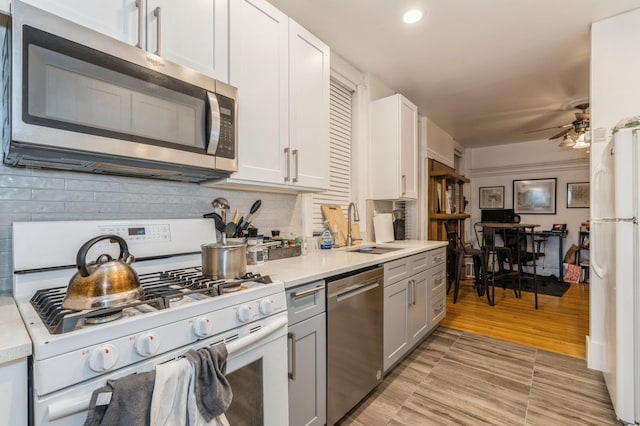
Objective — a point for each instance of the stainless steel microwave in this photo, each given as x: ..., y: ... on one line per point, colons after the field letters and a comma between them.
x: 81, y: 100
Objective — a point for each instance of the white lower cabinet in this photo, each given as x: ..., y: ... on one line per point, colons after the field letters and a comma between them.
x: 307, y: 355
x: 413, y: 302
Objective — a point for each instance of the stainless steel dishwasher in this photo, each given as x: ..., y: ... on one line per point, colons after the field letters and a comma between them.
x: 354, y: 338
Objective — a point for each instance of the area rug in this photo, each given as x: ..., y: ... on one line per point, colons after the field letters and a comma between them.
x: 546, y: 285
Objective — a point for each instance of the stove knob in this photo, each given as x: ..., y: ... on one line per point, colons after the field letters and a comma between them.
x: 103, y: 358
x: 266, y: 306
x: 202, y: 327
x: 147, y: 344
x: 244, y: 313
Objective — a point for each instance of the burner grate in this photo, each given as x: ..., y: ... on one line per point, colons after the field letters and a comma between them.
x: 160, y: 290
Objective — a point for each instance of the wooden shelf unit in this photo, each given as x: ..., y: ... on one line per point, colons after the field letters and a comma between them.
x: 444, y: 178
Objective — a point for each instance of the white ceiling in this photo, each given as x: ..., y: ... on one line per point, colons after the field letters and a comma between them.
x: 486, y: 71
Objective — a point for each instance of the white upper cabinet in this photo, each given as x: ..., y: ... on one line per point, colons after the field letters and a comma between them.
x: 193, y: 34
x: 309, y: 108
x: 394, y: 157
x: 115, y: 18
x: 259, y: 69
x: 282, y: 75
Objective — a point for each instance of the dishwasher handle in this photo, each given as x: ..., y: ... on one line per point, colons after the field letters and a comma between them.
x: 355, y: 290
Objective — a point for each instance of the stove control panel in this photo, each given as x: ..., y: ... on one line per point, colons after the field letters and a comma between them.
x: 139, y: 233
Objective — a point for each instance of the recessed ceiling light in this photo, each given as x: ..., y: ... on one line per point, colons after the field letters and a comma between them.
x: 412, y: 16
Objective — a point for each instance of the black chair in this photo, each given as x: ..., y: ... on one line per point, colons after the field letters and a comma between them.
x: 503, y: 254
x: 455, y: 260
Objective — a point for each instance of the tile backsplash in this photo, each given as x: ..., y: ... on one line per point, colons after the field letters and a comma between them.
x: 47, y: 195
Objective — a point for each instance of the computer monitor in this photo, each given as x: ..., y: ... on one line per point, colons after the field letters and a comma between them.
x: 497, y: 215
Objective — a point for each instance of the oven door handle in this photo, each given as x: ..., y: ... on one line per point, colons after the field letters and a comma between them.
x: 62, y: 409
x: 239, y: 345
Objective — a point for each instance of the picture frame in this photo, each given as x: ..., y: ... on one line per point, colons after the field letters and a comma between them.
x: 491, y: 197
x: 578, y: 195
x: 534, y: 196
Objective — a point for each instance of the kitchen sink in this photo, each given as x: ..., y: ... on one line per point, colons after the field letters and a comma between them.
x: 374, y: 249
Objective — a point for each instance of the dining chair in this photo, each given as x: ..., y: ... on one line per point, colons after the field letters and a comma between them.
x: 455, y: 260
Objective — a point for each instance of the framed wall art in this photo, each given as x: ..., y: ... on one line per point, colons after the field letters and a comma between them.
x: 492, y: 197
x: 534, y: 196
x: 578, y: 195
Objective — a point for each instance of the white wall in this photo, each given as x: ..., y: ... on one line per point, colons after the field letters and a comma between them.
x: 615, y: 89
x: 501, y: 165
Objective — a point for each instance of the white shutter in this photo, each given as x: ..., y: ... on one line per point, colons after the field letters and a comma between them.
x: 339, y: 192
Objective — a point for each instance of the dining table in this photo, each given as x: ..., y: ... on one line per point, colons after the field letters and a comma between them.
x: 525, y: 230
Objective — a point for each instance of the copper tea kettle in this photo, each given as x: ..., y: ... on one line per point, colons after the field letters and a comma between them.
x: 104, y: 283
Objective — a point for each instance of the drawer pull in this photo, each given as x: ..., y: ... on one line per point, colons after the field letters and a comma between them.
x: 438, y: 309
x: 300, y: 294
x: 438, y: 258
x: 438, y: 281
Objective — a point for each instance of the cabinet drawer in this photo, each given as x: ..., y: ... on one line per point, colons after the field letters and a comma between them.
x: 305, y: 301
x: 437, y: 309
x: 436, y: 257
x: 418, y: 263
x: 437, y: 279
x: 397, y: 270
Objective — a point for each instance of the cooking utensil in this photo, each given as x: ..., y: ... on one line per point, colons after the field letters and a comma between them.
x: 236, y: 217
x: 254, y: 208
x: 222, y: 204
x: 221, y: 261
x: 104, y: 283
x: 220, y: 225
x: 230, y: 229
x: 239, y: 227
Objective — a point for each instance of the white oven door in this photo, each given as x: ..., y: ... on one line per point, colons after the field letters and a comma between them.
x: 256, y: 369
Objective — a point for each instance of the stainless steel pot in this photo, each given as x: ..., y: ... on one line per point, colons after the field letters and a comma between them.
x: 221, y: 261
x: 104, y: 283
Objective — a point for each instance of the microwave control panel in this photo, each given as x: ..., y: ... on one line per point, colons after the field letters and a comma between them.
x: 227, y: 139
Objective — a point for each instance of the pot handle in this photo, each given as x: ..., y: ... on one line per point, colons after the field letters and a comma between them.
x: 81, y: 258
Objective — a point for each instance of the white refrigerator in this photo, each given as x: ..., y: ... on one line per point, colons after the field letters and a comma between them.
x: 615, y: 260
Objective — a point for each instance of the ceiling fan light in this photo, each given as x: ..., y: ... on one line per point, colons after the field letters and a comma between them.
x: 567, y: 142
x: 581, y: 142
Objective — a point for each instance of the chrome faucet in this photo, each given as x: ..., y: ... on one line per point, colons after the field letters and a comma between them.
x: 356, y: 218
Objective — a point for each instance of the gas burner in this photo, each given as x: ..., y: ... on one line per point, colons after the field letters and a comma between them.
x: 102, y: 318
x: 168, y: 293
x: 231, y: 287
x: 160, y: 290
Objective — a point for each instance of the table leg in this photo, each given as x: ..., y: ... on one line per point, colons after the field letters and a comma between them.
x: 560, y: 250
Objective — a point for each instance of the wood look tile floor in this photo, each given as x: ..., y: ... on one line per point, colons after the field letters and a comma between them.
x: 459, y: 378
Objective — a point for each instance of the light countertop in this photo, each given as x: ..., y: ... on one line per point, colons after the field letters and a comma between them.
x: 319, y: 264
x: 14, y: 339
x: 294, y: 271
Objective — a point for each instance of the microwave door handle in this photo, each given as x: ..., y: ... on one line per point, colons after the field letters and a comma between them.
x: 213, y: 136
x: 157, y: 12
x: 140, y: 4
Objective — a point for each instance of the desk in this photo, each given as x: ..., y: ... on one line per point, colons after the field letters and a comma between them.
x: 518, y: 228
x: 561, y: 236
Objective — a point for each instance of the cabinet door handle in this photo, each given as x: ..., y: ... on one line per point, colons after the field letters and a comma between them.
x: 414, y: 291
x: 295, y: 156
x: 287, y: 159
x: 141, y: 7
x: 404, y: 184
x: 292, y: 337
x: 410, y: 290
x: 157, y: 12
x: 298, y: 295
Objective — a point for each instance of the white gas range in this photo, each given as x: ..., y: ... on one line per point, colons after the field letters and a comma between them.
x: 75, y: 352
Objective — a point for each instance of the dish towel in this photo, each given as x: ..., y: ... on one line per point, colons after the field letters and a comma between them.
x: 169, y: 400
x: 212, y: 389
x: 125, y: 401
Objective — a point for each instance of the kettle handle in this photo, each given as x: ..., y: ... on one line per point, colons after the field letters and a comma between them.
x: 81, y: 258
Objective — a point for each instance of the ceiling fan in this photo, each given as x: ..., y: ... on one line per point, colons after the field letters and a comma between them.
x: 579, y: 126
